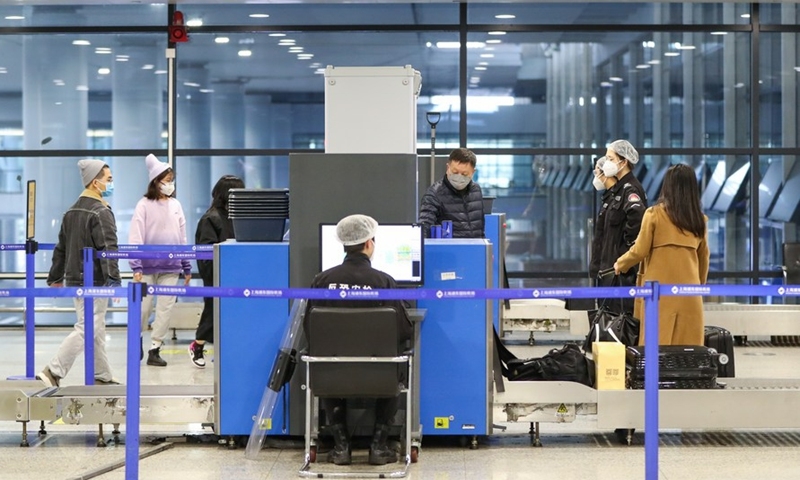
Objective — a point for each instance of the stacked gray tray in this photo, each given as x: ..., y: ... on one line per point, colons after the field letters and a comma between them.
x: 258, y: 215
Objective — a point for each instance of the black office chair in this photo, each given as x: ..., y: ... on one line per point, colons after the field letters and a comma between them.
x: 355, y: 353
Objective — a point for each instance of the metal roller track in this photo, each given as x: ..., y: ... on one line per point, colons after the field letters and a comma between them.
x: 754, y: 320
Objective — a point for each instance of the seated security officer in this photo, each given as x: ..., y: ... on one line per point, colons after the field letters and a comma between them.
x: 357, y: 234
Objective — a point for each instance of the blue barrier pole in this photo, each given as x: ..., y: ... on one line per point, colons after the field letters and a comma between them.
x: 30, y: 306
x: 88, y: 316
x: 135, y: 293
x: 651, y: 383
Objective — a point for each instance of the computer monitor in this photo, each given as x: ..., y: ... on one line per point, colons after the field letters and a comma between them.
x: 398, y: 251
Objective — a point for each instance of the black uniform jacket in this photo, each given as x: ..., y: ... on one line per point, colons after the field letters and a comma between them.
x: 621, y: 223
x: 213, y: 227
x: 463, y: 207
x: 356, y: 272
x: 597, y: 238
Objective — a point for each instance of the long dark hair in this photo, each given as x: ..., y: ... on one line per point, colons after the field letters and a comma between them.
x: 153, y: 192
x: 680, y: 197
x: 219, y: 194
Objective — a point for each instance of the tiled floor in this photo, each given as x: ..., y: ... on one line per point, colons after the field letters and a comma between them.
x: 571, y: 451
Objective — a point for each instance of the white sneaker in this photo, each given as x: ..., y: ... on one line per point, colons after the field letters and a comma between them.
x: 196, y: 354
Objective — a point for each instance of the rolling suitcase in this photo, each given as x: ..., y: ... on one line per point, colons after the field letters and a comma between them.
x: 721, y: 340
x: 679, y: 367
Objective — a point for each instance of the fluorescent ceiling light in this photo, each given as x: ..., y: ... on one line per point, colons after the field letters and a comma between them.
x: 615, y: 79
x: 483, y: 63
x: 82, y: 88
x: 642, y: 66
x: 475, y: 103
x: 797, y: 69
x: 458, y: 45
x: 206, y: 90
x: 259, y: 15
x: 277, y: 34
x: 494, y: 40
x: 745, y: 15
x: 487, y: 55
x: 195, y: 22
x: 719, y: 33
x: 474, y: 79
x: 222, y: 40
x: 319, y: 71
x: 686, y: 47
x: 497, y: 33
x: 148, y: 66
x: 654, y: 62
x: 480, y: 69
x: 103, y: 71
x: 15, y: 17
x: 305, y: 56
x: 505, y: 16
x: 191, y: 84
x: 295, y: 49
x: 81, y: 42
x: 160, y: 72
x: 245, y: 53
x: 671, y: 54
x: 121, y: 58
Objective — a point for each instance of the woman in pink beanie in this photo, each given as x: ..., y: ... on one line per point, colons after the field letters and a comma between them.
x: 158, y: 220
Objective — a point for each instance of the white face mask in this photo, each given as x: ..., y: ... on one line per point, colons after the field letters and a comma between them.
x: 167, y: 188
x: 598, y: 184
x: 610, y: 169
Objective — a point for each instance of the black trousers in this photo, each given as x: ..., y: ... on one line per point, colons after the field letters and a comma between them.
x: 336, y: 410
x: 205, y: 329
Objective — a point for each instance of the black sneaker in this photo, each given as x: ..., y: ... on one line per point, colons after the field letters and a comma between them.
x: 154, y: 358
x: 196, y: 354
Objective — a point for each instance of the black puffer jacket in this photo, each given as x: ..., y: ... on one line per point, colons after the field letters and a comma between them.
x: 463, y: 207
x: 214, y: 227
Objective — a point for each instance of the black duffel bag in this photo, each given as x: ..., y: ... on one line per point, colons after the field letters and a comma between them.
x: 567, y: 364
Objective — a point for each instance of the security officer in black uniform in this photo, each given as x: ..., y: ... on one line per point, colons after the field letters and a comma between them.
x: 601, y: 183
x: 357, y: 234
x: 623, y: 217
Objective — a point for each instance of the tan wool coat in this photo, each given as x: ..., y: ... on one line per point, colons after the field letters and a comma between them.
x: 670, y: 255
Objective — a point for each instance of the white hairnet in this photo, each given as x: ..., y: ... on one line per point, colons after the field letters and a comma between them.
x: 356, y: 229
x: 624, y: 149
x: 600, y: 162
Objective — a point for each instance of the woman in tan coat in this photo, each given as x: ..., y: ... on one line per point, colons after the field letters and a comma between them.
x: 673, y: 247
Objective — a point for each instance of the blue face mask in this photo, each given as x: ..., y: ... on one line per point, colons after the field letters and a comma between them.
x: 108, y: 191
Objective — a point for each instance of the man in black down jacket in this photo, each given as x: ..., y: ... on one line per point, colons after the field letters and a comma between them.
x: 357, y: 234
x: 456, y: 198
x: 88, y: 223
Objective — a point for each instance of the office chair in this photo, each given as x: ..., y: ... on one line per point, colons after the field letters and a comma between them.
x: 354, y: 353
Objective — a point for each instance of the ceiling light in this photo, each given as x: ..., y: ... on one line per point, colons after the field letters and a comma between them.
x: 319, y: 71
x: 148, y: 67
x: 487, y: 55
x: 685, y: 47
x: 121, y: 58
x: 671, y: 54
x: 82, y: 88
x: 222, y: 40
x: 295, y: 49
x: 719, y: 33
x: 797, y: 69
x: 745, y: 15
x: 286, y: 41
x: 206, y: 90
x: 103, y: 71
x: 474, y: 79
x: 277, y: 34
x: 102, y: 51
x: 489, y: 49
x: 642, y: 66
x: 606, y: 84
x: 504, y: 16
x: 480, y: 68
x: 15, y: 17
x: 494, y: 40
x: 195, y: 22
x: 458, y: 45
x: 305, y: 56
x: 245, y: 53
x: 58, y: 81
x: 259, y: 15
x: 81, y: 42
x: 191, y: 84
x: 654, y: 62
x: 483, y: 63
x: 315, y: 64
x: 497, y: 33
x: 160, y: 72
x: 615, y: 79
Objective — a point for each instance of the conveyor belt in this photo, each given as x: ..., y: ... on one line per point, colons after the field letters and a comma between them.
x: 162, y: 404
x: 13, y: 398
x: 754, y: 320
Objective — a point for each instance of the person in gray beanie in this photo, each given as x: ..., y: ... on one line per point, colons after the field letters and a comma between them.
x: 88, y: 223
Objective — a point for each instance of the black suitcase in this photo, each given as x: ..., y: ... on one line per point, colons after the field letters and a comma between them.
x: 679, y: 367
x: 721, y: 340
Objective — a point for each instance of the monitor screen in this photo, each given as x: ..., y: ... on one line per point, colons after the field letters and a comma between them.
x: 732, y: 189
x: 713, y: 186
x: 398, y: 251
x: 769, y: 188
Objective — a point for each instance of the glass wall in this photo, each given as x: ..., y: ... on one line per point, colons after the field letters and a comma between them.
x: 546, y: 87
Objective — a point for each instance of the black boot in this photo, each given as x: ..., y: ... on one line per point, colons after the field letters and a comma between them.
x: 340, y: 453
x: 379, y: 451
x: 154, y: 358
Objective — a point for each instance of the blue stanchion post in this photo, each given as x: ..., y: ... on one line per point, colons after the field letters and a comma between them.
x: 31, y: 247
x: 135, y: 294
x: 88, y: 316
x: 651, y: 383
